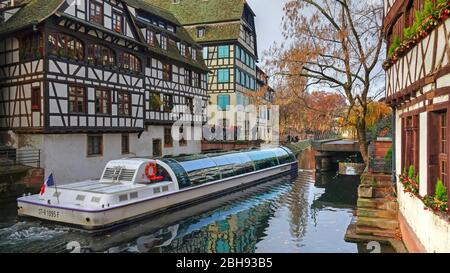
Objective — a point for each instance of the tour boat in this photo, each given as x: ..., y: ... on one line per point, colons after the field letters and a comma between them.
x: 132, y: 188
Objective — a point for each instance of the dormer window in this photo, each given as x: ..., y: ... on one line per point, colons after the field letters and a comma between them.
x: 96, y: 12
x: 117, y: 22
x: 163, y: 42
x: 182, y: 49
x: 200, y: 32
x: 150, y: 37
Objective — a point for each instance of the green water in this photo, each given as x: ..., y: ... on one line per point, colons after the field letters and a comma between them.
x: 307, y: 214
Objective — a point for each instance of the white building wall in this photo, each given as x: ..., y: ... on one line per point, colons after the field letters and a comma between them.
x: 432, y: 230
x: 423, y: 144
x: 144, y: 145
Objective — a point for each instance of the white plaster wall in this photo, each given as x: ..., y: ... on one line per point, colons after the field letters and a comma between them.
x: 66, y: 154
x: 432, y: 231
x: 144, y: 144
x: 423, y: 162
x: 398, y: 141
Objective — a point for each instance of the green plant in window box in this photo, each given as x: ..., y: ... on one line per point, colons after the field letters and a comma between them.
x: 438, y: 202
x: 410, y: 181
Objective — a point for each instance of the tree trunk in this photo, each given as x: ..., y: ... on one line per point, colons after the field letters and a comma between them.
x: 362, y: 139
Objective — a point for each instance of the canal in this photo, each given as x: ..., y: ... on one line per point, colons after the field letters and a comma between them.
x: 307, y: 214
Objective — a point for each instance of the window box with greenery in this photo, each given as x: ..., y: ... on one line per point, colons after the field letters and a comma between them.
x: 410, y: 181
x: 425, y: 21
x: 437, y: 203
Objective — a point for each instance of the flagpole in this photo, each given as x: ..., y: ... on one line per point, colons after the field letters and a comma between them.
x: 56, y: 188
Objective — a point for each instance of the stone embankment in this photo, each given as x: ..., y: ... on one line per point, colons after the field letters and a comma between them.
x: 18, y: 180
x: 377, y: 213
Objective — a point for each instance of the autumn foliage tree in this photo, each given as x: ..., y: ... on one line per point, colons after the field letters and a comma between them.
x: 334, y: 45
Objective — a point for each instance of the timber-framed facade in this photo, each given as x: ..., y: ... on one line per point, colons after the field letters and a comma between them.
x: 226, y: 30
x: 88, y: 81
x: 418, y: 89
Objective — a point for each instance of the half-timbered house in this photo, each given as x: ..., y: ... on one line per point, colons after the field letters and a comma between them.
x: 226, y: 30
x: 418, y: 89
x: 87, y: 81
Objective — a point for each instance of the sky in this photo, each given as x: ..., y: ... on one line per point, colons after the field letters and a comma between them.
x: 269, y: 15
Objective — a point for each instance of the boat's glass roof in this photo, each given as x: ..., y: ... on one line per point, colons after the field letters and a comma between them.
x: 202, y: 168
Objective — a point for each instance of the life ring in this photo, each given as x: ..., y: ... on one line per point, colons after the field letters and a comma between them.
x: 150, y: 170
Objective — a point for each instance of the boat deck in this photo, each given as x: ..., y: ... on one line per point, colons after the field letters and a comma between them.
x: 94, y: 186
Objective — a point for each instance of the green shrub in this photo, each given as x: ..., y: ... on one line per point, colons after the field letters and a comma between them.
x: 408, y: 33
x: 428, y: 8
x: 441, y: 191
x: 395, y: 44
x: 411, y: 172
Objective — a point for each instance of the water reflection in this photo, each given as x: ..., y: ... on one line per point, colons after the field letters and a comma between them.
x: 306, y: 214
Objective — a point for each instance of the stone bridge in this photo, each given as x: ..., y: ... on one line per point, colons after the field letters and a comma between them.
x: 329, y: 152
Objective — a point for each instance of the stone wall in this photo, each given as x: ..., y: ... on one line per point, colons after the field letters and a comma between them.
x: 19, y: 180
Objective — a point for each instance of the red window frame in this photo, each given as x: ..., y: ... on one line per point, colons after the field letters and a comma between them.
x: 124, y: 103
x: 117, y: 22
x: 36, y: 98
x: 95, y: 12
x: 78, y: 104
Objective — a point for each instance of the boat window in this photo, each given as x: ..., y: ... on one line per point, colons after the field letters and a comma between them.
x: 133, y: 195
x: 165, y: 188
x: 156, y: 190
x: 243, y: 164
x: 291, y: 154
x: 198, y: 169
x: 123, y: 197
x: 201, y: 170
x: 180, y: 173
x: 80, y: 197
x: 95, y: 199
x: 263, y: 159
x: 56, y: 194
x: 283, y: 156
x: 225, y: 164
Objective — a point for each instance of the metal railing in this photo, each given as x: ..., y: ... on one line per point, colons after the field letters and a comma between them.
x: 13, y: 157
x: 378, y: 163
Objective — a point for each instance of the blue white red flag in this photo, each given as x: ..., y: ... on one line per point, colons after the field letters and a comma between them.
x: 48, y: 183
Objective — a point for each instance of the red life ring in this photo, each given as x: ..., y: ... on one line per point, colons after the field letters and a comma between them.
x: 150, y: 170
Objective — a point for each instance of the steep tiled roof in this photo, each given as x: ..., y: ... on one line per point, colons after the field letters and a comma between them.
x: 217, y: 32
x: 34, y: 12
x: 155, y: 10
x: 191, y: 12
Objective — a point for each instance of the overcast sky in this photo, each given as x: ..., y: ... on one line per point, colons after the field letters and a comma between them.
x: 269, y: 14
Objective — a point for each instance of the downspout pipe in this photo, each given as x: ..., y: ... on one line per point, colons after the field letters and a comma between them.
x: 394, y: 114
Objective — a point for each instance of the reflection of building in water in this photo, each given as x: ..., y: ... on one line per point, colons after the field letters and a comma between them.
x: 298, y: 205
x: 238, y: 233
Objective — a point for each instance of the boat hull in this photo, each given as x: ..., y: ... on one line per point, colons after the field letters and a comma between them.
x: 105, y: 218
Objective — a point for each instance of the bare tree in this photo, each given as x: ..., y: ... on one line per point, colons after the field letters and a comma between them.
x: 335, y: 45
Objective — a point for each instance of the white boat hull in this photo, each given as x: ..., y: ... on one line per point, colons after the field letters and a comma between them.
x: 103, y: 218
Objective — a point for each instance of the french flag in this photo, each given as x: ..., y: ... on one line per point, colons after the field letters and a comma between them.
x: 48, y: 183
